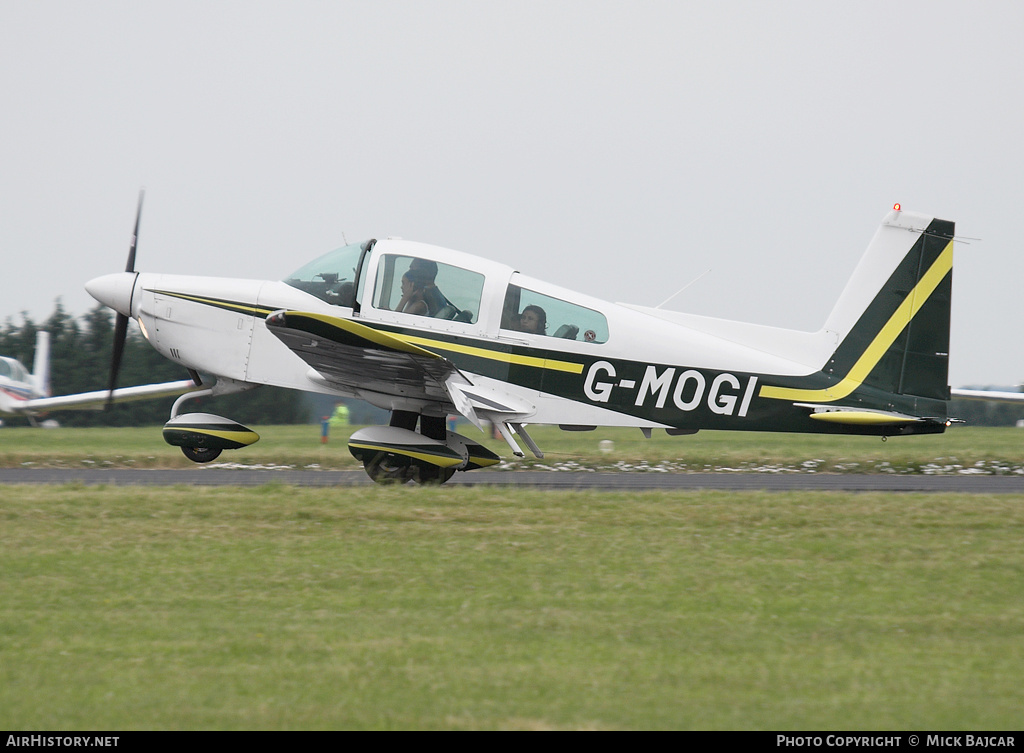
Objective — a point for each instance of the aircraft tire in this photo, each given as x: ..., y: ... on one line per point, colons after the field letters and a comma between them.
x: 388, y: 469
x: 433, y: 475
x: 201, y: 454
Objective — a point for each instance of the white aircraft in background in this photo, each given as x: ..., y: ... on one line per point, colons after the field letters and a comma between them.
x: 426, y: 332
x: 25, y: 394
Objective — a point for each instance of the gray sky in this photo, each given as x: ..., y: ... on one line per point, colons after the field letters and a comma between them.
x: 617, y: 148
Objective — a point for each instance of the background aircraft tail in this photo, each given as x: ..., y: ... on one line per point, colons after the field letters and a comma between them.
x: 41, y: 365
x: 892, y: 319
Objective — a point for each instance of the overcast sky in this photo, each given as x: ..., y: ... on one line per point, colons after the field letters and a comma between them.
x: 617, y: 148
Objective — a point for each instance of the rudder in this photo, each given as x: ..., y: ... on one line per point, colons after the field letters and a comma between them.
x: 900, y: 341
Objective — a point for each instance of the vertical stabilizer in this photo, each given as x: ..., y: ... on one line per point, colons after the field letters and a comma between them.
x: 892, y: 320
x: 41, y: 365
x: 891, y: 323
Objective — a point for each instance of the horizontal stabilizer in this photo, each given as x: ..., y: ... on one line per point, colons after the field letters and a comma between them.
x: 857, y: 416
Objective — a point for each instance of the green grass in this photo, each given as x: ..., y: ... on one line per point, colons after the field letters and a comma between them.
x: 988, y: 450
x: 456, y: 608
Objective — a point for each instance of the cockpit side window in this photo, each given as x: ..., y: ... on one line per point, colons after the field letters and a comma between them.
x: 13, y: 370
x: 530, y: 312
x: 330, y: 278
x: 413, y: 285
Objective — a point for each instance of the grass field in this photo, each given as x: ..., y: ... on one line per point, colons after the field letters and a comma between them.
x: 961, y: 449
x: 463, y: 608
x: 383, y: 608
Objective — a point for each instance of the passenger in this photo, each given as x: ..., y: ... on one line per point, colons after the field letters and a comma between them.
x: 533, y: 320
x: 413, y: 301
x: 433, y: 297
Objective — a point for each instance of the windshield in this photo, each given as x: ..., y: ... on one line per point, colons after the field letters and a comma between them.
x: 13, y: 369
x: 330, y: 278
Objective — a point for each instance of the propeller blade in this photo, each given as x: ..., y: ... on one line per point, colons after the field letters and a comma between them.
x: 130, y: 267
x: 120, y: 335
x: 121, y: 322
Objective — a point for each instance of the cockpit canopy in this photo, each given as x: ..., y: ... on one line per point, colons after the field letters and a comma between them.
x: 13, y: 370
x: 406, y: 282
x: 331, y: 277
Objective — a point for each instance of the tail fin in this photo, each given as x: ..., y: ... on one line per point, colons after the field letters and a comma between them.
x: 892, y: 320
x: 891, y: 323
x: 41, y: 365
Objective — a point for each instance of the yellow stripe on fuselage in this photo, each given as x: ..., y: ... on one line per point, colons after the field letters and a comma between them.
x: 493, y: 355
x: 365, y: 331
x: 242, y: 308
x: 418, y: 344
x: 387, y: 339
x: 882, y: 342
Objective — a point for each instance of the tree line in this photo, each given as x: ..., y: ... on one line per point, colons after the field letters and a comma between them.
x: 80, y: 355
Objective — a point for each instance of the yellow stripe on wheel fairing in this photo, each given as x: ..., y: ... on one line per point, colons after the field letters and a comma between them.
x: 243, y: 438
x: 442, y: 461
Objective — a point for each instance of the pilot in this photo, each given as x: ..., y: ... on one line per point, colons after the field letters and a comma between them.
x: 434, y: 298
x: 533, y: 320
x: 345, y: 295
x: 413, y: 301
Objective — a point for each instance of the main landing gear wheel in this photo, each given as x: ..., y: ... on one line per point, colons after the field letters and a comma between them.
x: 201, y: 454
x: 433, y: 474
x: 386, y: 468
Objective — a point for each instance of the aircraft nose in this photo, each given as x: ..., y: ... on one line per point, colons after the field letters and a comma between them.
x: 114, y: 291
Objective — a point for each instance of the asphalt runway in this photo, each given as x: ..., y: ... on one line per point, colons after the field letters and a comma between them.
x: 575, y: 480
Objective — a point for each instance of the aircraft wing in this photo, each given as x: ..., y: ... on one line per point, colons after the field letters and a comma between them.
x: 96, y: 400
x: 351, y: 355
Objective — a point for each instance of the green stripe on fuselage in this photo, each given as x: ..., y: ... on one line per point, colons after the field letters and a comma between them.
x: 220, y: 303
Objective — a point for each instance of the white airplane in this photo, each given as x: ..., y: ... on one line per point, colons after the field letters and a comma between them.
x: 25, y: 394
x: 426, y: 332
